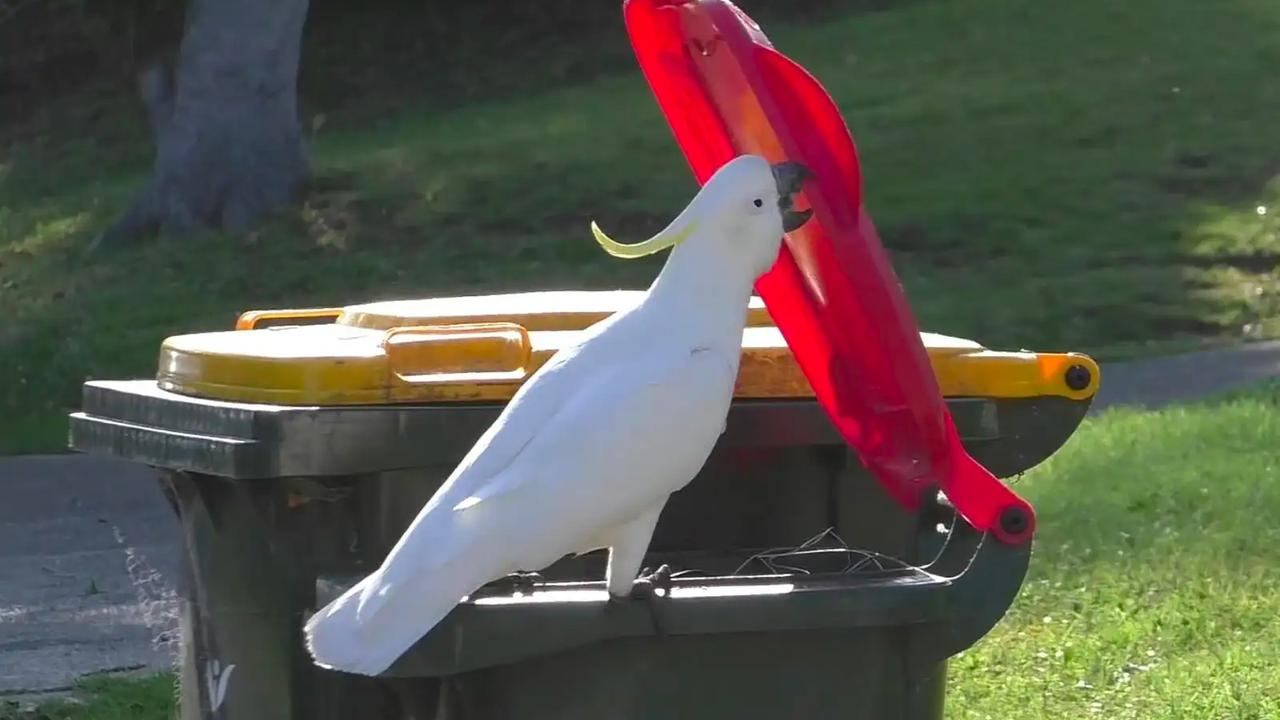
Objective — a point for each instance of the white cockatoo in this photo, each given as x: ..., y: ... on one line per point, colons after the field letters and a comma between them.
x: 589, y: 449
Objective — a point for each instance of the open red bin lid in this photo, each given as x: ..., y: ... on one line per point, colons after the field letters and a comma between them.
x: 833, y: 294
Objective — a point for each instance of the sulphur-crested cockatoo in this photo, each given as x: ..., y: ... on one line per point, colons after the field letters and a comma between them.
x: 589, y: 449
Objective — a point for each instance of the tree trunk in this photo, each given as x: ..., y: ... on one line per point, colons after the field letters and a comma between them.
x: 229, y: 146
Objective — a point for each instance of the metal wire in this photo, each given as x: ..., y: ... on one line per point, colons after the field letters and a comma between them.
x: 786, y: 560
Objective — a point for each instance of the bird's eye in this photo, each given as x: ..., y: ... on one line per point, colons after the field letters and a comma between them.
x: 758, y: 202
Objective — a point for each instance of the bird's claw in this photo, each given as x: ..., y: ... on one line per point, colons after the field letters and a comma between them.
x: 519, y: 583
x: 650, y: 581
x: 649, y: 586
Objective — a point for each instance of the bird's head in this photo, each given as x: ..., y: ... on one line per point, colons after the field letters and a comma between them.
x: 741, y: 212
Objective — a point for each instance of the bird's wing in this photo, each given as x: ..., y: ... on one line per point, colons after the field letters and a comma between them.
x: 527, y: 413
x: 650, y: 420
x: 625, y: 439
x: 606, y: 438
x: 628, y: 437
x: 567, y: 373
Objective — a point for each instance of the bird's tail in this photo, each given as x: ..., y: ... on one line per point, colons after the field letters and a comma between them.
x: 374, y: 622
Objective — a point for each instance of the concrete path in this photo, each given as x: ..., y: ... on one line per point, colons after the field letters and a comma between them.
x: 88, y: 554
x: 1160, y: 381
x: 88, y: 548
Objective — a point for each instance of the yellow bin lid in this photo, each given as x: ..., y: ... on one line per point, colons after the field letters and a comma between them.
x: 481, y: 348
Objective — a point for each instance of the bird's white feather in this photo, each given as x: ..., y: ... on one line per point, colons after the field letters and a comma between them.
x: 588, y: 470
x: 589, y: 449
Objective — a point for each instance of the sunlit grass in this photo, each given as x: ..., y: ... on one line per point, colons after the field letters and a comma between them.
x: 1155, y: 583
x: 105, y: 698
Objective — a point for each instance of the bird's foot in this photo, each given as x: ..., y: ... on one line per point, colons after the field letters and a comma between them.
x: 519, y: 583
x: 652, y: 584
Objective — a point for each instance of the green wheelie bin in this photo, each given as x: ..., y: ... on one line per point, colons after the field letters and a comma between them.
x: 296, y: 448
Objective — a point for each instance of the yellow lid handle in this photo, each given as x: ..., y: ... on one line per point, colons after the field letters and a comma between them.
x: 255, y: 319
x: 477, y: 353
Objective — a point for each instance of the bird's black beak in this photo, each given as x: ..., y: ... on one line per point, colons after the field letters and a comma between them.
x: 790, y: 177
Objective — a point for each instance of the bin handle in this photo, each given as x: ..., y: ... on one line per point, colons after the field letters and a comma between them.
x: 462, y: 354
x: 254, y: 319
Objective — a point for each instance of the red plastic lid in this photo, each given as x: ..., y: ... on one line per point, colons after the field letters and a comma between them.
x: 833, y: 294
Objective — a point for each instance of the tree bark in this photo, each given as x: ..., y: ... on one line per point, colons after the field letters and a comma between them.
x: 229, y: 145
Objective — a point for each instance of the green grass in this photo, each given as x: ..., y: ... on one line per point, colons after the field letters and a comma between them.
x: 1153, y: 589
x: 1155, y: 582
x: 1080, y: 176
x: 105, y: 698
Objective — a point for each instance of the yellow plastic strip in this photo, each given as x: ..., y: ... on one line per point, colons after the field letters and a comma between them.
x: 1016, y: 375
x: 554, y: 310
x: 255, y: 319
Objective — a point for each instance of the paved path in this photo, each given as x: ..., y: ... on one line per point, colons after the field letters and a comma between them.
x: 87, y: 558
x: 1161, y: 381
x: 88, y: 553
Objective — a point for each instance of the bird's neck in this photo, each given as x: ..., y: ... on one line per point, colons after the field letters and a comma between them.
x: 703, y: 295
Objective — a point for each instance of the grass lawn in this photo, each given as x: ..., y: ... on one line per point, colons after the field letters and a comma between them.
x: 1090, y: 176
x: 1153, y: 590
x: 1155, y: 582
x: 106, y: 698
